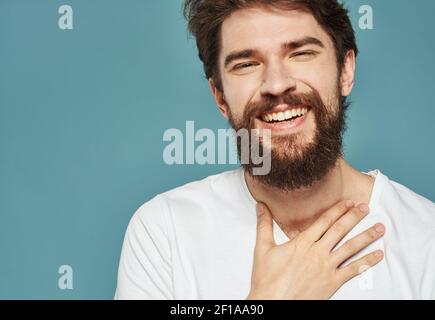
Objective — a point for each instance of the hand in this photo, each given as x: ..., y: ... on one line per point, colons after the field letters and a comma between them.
x: 307, y: 267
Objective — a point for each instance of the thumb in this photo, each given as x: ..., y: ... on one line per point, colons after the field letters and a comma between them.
x: 265, y: 239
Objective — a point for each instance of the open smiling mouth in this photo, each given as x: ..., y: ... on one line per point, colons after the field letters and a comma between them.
x: 283, y: 116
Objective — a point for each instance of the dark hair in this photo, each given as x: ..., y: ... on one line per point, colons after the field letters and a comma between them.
x: 205, y: 18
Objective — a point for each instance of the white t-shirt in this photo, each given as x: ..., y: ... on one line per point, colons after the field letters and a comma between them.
x: 197, y: 242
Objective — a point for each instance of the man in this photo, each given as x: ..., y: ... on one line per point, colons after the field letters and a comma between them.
x: 286, y: 66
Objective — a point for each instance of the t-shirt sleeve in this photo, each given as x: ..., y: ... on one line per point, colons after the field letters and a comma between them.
x: 145, y: 270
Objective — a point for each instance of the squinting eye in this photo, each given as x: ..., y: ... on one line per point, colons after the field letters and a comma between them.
x: 243, y: 66
x: 303, y: 54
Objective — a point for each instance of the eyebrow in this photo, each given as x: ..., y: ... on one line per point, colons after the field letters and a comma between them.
x: 292, y: 45
x: 239, y: 55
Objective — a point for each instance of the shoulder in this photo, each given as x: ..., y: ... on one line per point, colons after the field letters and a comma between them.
x: 412, y: 218
x: 190, y: 198
x: 408, y: 208
x: 210, y: 188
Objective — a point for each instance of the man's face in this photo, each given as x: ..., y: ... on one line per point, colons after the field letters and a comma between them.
x: 279, y: 72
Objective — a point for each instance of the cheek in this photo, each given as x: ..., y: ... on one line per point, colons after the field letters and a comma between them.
x: 321, y: 78
x: 327, y: 81
x: 320, y: 73
x: 239, y: 92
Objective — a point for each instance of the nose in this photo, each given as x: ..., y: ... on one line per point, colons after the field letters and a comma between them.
x: 277, y: 80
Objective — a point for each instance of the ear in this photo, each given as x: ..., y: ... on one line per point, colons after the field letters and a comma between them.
x: 347, y: 79
x: 219, y: 98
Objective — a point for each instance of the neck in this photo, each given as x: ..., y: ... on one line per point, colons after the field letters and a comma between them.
x: 296, y: 210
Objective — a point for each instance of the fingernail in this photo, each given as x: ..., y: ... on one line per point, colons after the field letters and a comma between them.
x: 379, y: 254
x: 260, y: 209
x: 380, y: 228
x: 364, y: 208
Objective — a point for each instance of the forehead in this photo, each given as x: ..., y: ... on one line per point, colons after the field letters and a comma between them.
x: 266, y: 29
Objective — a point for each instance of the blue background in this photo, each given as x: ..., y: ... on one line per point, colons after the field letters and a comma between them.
x: 82, y: 115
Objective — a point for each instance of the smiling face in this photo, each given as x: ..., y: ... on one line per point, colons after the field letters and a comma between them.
x: 279, y: 71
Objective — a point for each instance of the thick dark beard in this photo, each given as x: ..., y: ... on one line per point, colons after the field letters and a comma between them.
x: 295, y: 166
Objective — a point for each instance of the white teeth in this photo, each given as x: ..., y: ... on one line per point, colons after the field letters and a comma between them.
x: 288, y: 114
x: 282, y: 116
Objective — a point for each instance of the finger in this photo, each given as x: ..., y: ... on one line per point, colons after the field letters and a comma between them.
x: 318, y: 228
x: 356, y: 244
x: 343, y: 226
x: 359, y: 266
x: 265, y: 239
